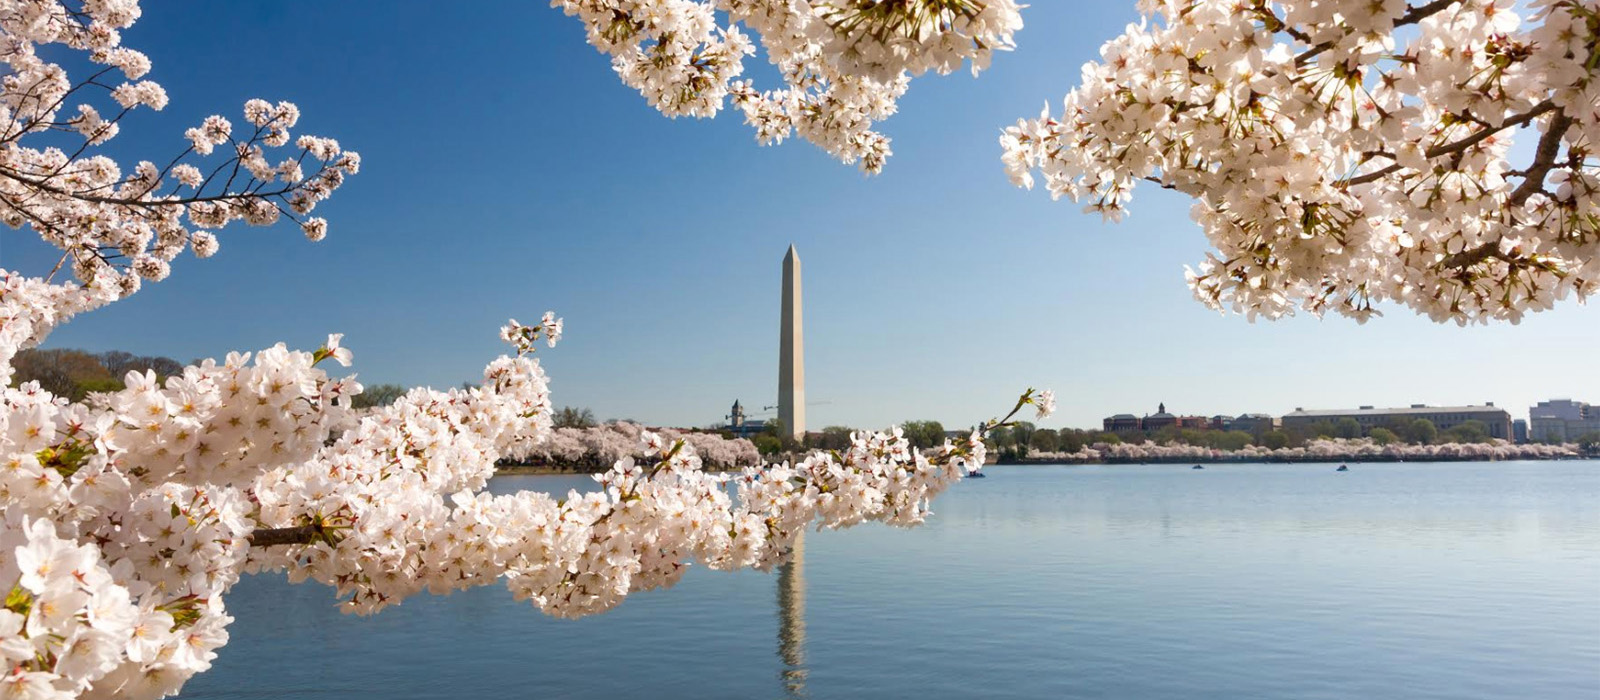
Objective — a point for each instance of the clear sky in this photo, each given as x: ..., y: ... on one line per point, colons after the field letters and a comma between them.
x: 507, y: 171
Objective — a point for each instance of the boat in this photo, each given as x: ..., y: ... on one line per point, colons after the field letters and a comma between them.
x: 1197, y: 467
x: 977, y: 475
x: 1342, y: 468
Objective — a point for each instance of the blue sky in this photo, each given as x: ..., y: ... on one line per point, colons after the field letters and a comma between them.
x: 507, y: 171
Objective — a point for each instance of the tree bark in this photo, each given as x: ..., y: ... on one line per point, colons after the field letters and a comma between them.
x: 271, y: 537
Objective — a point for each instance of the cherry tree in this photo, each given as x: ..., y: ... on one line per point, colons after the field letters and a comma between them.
x: 843, y: 63
x: 605, y: 444
x: 1345, y: 153
x: 128, y: 517
x: 1341, y: 153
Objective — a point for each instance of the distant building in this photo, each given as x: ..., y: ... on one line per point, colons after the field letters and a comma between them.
x: 1121, y: 423
x: 1127, y: 422
x: 1519, y: 430
x: 739, y: 424
x: 1562, y: 420
x: 1444, y: 418
x: 1560, y: 409
x: 1256, y: 423
x: 1160, y: 420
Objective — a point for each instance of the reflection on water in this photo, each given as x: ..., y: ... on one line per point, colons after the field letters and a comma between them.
x: 792, y: 620
x: 1417, y: 581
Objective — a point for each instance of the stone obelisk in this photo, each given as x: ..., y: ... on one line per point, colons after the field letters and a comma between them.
x: 792, y: 352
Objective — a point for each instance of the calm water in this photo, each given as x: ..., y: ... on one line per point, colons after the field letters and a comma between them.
x: 1240, y: 581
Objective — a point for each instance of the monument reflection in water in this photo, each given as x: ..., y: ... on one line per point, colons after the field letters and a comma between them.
x: 792, y: 620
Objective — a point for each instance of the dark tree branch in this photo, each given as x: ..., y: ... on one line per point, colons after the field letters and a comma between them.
x: 1421, y: 12
x: 1414, y: 15
x: 272, y: 537
x: 1543, y: 159
x: 1456, y: 146
x: 42, y: 185
x: 1473, y: 256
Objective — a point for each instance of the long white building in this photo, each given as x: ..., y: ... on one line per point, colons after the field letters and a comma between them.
x: 1442, y: 417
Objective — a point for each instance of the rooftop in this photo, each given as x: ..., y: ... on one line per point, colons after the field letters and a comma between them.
x: 1415, y: 409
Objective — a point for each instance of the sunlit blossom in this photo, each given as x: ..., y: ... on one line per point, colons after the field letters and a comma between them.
x: 1346, y: 153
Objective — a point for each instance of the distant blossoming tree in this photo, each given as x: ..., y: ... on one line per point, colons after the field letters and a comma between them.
x: 603, y: 445
x: 1319, y: 449
x: 128, y: 516
x: 1341, y: 153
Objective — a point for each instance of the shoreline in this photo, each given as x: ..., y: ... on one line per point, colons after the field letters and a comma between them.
x: 1319, y: 459
x: 560, y: 470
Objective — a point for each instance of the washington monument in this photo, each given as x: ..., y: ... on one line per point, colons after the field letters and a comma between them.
x: 792, y: 352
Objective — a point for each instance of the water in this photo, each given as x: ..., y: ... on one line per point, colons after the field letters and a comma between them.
x: 1458, y: 580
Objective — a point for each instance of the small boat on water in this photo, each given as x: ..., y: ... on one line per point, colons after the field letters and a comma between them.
x: 977, y: 475
x: 1342, y: 468
x: 1197, y: 467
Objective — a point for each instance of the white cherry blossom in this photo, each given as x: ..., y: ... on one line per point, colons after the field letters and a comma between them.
x: 844, y: 63
x: 1347, y: 153
x: 1321, y: 449
x: 125, y: 519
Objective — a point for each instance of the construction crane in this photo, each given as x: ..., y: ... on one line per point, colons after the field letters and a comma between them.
x: 766, y: 409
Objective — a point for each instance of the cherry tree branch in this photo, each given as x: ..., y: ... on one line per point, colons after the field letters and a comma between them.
x: 1414, y: 15
x: 1544, y: 159
x: 120, y: 201
x: 1454, y: 146
x: 275, y: 536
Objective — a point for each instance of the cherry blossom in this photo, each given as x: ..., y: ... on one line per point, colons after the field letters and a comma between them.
x: 1342, y: 154
x: 126, y: 518
x: 844, y: 63
x: 137, y: 511
x: 1321, y: 449
x: 603, y: 445
x: 1346, y: 153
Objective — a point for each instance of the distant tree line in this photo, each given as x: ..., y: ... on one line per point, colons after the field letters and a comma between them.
x: 573, y: 417
x: 1024, y: 439
x: 75, y: 373
x: 1590, y: 442
x: 774, y: 440
x: 1420, y: 431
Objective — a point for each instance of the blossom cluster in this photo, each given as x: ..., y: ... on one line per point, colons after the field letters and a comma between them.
x: 126, y: 518
x: 844, y: 63
x: 1345, y: 153
x: 525, y: 338
x: 163, y: 493
x: 604, y: 445
x: 117, y: 226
